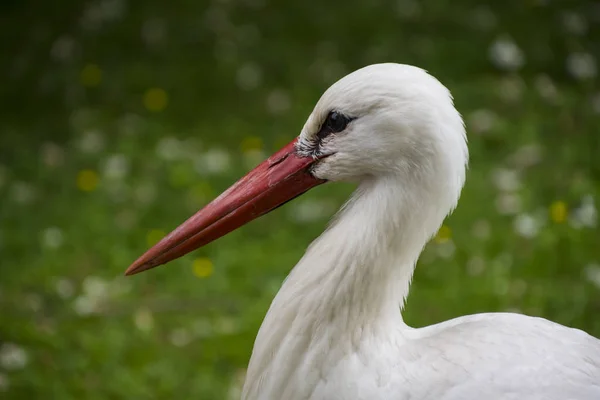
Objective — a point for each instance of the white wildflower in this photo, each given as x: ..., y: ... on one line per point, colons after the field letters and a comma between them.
x: 582, y: 65
x: 64, y: 288
x: 143, y: 320
x: 249, y: 76
x: 23, y: 192
x: 508, y: 204
x: 506, y: 180
x: 85, y: 305
x: 526, y: 226
x: 13, y: 356
x: 574, y: 23
x: 170, y: 148
x: 586, y: 215
x: 482, y: 120
x: 592, y: 274
x: 278, y: 101
x: 481, y: 229
x: 475, y: 265
x: 213, y: 161
x: 91, y: 142
x: 180, y: 337
x: 116, y: 167
x: 52, y: 238
x: 505, y: 54
x: 446, y: 250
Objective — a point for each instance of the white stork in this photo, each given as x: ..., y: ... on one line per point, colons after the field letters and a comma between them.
x: 335, y: 331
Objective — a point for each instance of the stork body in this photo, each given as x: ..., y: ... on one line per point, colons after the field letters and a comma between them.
x: 335, y: 330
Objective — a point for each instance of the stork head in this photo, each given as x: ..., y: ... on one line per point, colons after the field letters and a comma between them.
x: 382, y: 121
x: 386, y: 120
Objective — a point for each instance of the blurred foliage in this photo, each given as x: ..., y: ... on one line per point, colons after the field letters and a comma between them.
x: 119, y: 119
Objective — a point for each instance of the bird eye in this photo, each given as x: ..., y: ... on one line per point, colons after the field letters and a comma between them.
x: 336, y: 122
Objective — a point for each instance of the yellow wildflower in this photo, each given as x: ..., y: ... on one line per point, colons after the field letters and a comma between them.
x: 251, y: 143
x: 87, y: 180
x: 558, y: 212
x: 443, y: 235
x: 155, y: 99
x: 91, y: 75
x: 203, y: 267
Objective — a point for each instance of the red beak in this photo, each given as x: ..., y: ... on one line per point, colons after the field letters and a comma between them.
x: 282, y: 177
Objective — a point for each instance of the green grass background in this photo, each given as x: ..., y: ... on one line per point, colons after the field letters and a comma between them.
x: 118, y: 119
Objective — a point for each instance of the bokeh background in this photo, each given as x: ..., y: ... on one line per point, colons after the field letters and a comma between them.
x: 118, y: 119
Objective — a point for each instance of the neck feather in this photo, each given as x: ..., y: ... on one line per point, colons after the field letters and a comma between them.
x: 350, y: 284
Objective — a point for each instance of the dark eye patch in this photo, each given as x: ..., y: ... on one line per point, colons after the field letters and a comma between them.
x: 334, y: 123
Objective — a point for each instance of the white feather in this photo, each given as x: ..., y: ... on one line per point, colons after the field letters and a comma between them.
x: 335, y: 330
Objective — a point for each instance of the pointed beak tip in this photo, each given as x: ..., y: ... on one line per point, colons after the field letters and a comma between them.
x: 136, y: 268
x: 131, y: 271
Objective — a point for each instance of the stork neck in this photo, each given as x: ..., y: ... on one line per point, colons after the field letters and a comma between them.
x: 360, y: 268
x: 348, y: 288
